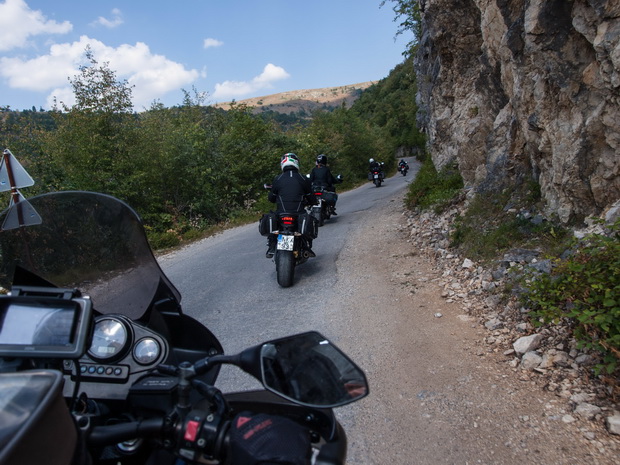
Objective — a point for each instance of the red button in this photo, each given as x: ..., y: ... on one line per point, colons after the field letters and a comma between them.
x: 191, y: 431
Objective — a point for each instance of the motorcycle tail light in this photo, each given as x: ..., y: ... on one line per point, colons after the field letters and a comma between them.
x: 318, y: 193
x: 287, y: 220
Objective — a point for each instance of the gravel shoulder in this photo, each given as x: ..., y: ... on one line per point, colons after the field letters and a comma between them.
x: 439, y: 394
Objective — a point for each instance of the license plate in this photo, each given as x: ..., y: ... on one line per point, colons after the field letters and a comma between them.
x: 376, y: 176
x: 285, y: 242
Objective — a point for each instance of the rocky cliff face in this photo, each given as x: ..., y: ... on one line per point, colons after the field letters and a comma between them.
x: 519, y: 90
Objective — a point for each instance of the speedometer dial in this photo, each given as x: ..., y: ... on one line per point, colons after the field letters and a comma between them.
x: 146, y: 351
x: 110, y: 339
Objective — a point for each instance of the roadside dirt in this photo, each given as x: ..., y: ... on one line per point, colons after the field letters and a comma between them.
x: 438, y: 396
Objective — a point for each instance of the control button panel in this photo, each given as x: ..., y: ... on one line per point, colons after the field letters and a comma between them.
x: 97, y: 371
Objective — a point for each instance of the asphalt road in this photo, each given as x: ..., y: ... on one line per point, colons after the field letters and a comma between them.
x: 227, y: 283
x: 437, y: 394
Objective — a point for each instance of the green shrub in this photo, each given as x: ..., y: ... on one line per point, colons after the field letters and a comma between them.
x: 432, y: 188
x: 163, y: 240
x: 584, y: 288
x: 193, y: 235
x: 488, y: 228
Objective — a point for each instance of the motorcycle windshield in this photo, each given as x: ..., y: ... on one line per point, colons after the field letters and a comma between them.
x: 84, y: 240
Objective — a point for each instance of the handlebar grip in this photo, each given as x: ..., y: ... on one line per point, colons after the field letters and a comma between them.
x: 113, y: 434
x: 334, y: 452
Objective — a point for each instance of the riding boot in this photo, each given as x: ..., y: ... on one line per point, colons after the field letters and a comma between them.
x: 271, y: 246
x: 309, y: 244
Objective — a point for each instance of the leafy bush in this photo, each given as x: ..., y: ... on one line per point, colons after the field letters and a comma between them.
x: 584, y: 288
x: 432, y: 188
x: 193, y: 235
x: 490, y: 225
x: 163, y: 240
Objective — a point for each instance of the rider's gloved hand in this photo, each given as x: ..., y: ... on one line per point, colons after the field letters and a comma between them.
x: 260, y: 439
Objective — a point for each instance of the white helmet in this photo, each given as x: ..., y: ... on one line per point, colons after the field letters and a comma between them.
x: 372, y: 160
x: 289, y: 159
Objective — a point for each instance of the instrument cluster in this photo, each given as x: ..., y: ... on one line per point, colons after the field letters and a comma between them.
x: 113, y: 339
x: 120, y: 352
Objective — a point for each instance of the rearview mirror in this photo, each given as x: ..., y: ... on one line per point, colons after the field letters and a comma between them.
x: 309, y: 370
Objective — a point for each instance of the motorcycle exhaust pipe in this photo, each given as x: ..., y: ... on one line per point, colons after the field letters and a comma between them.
x: 305, y: 254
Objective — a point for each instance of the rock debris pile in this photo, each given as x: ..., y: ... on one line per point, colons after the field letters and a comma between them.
x: 547, y: 356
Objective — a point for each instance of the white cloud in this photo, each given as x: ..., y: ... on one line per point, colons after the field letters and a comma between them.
x: 210, y: 43
x: 18, y: 23
x: 270, y: 74
x: 64, y: 95
x: 117, y: 20
x: 153, y: 75
x: 235, y: 89
x: 46, y: 71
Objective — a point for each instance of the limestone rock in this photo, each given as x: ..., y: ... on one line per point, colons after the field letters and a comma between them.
x: 587, y: 410
x: 613, y: 424
x: 527, y: 343
x: 525, y: 90
x: 530, y: 360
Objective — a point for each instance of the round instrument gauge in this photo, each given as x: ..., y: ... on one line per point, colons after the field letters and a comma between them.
x: 110, y: 339
x: 146, y: 351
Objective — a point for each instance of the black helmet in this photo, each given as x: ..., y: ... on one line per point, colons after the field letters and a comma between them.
x: 321, y: 160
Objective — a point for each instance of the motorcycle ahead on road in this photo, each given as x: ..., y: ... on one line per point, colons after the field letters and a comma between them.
x: 99, y: 364
x: 325, y: 206
x: 376, y: 176
x: 403, y: 169
x: 292, y: 231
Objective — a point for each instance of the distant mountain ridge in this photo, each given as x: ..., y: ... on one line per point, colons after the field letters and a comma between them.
x: 307, y: 100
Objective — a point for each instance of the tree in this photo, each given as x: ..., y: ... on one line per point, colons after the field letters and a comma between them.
x: 348, y: 140
x: 251, y: 148
x: 175, y: 184
x: 410, y: 15
x: 390, y: 104
x: 96, y: 89
x: 95, y: 137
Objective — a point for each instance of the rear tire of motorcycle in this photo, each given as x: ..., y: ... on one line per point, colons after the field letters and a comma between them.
x: 285, y: 267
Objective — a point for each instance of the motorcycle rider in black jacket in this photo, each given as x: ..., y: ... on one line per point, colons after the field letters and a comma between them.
x: 374, y: 165
x: 321, y: 175
x: 290, y: 191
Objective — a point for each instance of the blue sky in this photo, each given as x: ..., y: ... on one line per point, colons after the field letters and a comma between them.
x: 230, y: 49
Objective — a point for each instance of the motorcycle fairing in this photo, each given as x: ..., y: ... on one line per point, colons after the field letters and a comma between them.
x: 90, y: 241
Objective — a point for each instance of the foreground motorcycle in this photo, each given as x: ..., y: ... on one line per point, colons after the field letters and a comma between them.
x: 292, y: 247
x: 99, y: 364
x: 294, y: 233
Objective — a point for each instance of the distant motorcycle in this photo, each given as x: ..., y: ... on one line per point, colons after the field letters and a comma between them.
x: 326, y: 204
x: 376, y: 176
x: 403, y: 169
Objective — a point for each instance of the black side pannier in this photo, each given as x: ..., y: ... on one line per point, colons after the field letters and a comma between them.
x: 329, y: 198
x: 267, y: 223
x: 308, y: 225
